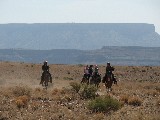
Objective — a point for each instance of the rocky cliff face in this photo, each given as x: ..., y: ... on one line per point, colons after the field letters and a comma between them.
x: 77, y: 35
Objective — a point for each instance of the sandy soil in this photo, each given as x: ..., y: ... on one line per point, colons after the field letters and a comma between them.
x: 140, y: 81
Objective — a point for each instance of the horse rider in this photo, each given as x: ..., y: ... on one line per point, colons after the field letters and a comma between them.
x: 45, y: 68
x: 96, y: 70
x: 109, y: 70
x: 86, y: 72
x: 90, y: 70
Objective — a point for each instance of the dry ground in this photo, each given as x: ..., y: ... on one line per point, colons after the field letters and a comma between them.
x: 135, y: 83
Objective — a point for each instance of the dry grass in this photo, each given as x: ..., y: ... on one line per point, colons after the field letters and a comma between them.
x: 124, y: 98
x: 135, y: 101
x: 138, y: 88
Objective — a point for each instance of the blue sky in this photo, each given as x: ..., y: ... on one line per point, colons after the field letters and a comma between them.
x: 81, y: 11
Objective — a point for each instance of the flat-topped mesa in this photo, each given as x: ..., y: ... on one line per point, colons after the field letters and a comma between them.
x: 77, y: 35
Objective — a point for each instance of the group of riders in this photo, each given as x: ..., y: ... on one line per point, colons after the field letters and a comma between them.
x: 90, y: 71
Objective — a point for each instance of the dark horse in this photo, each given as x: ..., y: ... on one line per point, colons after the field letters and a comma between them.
x: 96, y: 79
x: 109, y: 80
x: 85, y: 79
x: 45, y: 78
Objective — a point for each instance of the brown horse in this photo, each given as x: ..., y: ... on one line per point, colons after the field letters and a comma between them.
x: 85, y: 79
x: 45, y: 78
x: 108, y: 80
x: 96, y: 79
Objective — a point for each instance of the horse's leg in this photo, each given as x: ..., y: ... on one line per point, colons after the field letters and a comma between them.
x: 40, y: 82
x: 96, y: 85
x: 82, y: 81
x: 50, y: 79
x: 43, y: 83
x: 45, y: 86
x: 47, y: 82
x: 88, y: 80
x: 108, y: 88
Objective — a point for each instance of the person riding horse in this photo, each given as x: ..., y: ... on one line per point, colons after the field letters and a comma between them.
x: 109, y: 73
x: 85, y: 78
x: 86, y: 73
x: 95, y: 74
x: 90, y: 70
x: 45, y: 69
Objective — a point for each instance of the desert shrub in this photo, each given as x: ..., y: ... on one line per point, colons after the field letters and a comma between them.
x: 38, y: 89
x: 19, y: 103
x: 88, y: 91
x: 104, y: 104
x: 21, y: 90
x: 55, y: 91
x: 124, y: 98
x: 75, y: 86
x: 22, y: 101
x: 63, y: 91
x: 135, y: 101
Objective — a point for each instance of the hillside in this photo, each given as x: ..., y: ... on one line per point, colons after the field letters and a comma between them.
x: 137, y: 90
x: 83, y: 36
x: 131, y: 55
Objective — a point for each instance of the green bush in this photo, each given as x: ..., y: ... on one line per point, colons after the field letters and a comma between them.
x: 104, y: 104
x: 88, y: 91
x: 75, y: 86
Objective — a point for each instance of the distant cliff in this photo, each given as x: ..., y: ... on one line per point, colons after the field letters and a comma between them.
x: 82, y: 36
x: 116, y: 55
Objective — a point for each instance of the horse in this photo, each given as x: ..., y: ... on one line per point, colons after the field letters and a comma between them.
x: 45, y: 78
x: 108, y: 80
x: 85, y: 79
x: 96, y: 79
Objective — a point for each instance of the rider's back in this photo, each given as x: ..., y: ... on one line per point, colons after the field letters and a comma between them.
x: 109, y: 69
x: 45, y: 68
x: 90, y: 70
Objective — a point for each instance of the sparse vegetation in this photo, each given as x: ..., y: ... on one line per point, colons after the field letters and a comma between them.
x: 75, y: 86
x: 22, y: 101
x: 104, y: 104
x: 21, y: 96
x: 88, y: 92
x: 135, y: 101
x: 21, y: 90
x: 124, y: 98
